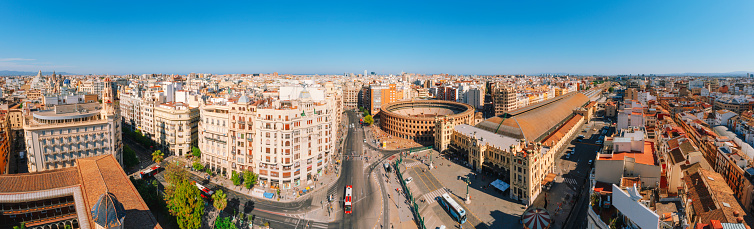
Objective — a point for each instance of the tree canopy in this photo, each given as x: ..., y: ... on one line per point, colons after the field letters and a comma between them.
x: 129, y: 157
x: 249, y: 179
x: 224, y: 223
x: 186, y: 205
x: 198, y: 166
x: 196, y: 152
x: 157, y: 156
x: 368, y: 119
x: 235, y: 178
x: 220, y: 200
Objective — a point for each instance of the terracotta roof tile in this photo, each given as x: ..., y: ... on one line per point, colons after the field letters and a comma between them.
x: 28, y: 182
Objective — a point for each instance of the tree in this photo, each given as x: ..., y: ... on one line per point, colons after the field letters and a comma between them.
x: 22, y: 226
x: 198, y: 166
x: 368, y: 119
x: 235, y: 178
x: 157, y: 156
x: 186, y: 205
x: 68, y: 226
x: 220, y: 200
x: 208, y: 171
x: 129, y: 157
x: 196, y: 152
x: 249, y: 178
x: 611, y: 89
x: 224, y: 223
x: 175, y: 174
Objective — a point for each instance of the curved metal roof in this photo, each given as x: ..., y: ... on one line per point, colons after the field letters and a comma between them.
x: 536, y: 121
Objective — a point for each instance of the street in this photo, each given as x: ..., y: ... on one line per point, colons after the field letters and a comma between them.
x: 298, y: 213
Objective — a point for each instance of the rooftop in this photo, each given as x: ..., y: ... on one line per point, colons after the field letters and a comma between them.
x: 535, y: 122
x: 646, y: 157
x: 486, y: 137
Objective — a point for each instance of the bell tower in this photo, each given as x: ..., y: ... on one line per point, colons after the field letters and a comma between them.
x: 107, y: 98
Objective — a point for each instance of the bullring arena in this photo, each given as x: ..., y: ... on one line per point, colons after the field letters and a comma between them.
x: 415, y: 120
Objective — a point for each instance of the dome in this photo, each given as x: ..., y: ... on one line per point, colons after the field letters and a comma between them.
x: 108, y: 212
x: 243, y: 99
x: 305, y: 94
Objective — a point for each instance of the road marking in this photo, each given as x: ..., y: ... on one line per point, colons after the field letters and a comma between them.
x: 431, y: 197
x: 412, y: 164
x: 570, y: 181
x: 462, y: 204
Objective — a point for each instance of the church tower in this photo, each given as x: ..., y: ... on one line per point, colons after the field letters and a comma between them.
x: 108, y: 108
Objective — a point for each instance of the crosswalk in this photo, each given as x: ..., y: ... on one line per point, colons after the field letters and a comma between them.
x: 412, y: 164
x: 431, y: 197
x: 570, y: 181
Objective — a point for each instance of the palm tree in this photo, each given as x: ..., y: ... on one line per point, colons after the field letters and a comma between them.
x: 157, y: 156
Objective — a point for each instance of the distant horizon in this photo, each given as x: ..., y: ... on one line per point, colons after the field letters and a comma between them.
x: 486, y: 38
x: 732, y: 73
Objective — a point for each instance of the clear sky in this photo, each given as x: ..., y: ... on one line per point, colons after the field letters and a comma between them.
x: 457, y: 37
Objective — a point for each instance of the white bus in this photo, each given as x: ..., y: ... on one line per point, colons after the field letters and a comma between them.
x: 455, y: 210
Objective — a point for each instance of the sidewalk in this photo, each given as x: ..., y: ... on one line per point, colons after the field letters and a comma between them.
x: 286, y: 196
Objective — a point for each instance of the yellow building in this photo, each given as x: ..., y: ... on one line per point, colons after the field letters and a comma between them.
x: 521, y: 145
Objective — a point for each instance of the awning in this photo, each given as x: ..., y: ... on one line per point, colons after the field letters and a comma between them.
x: 549, y: 178
x: 500, y: 185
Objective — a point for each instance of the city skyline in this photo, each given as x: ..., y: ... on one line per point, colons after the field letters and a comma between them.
x: 311, y: 38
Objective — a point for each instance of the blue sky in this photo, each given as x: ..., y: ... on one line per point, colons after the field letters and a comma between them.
x: 457, y: 37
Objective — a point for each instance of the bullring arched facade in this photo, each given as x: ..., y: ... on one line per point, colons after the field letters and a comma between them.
x: 415, y: 120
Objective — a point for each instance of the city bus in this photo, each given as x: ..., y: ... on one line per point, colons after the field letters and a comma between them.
x: 455, y: 210
x: 204, y: 191
x: 149, y: 172
x: 348, y: 200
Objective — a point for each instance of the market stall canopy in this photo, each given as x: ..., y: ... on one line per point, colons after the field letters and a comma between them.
x: 536, y: 218
x: 500, y: 185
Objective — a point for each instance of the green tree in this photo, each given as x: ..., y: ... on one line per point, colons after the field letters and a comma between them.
x: 196, y: 152
x: 129, y: 157
x: 611, y: 89
x: 368, y: 119
x: 208, y: 171
x: 198, y: 166
x: 186, y: 205
x: 235, y: 178
x: 249, y: 178
x: 157, y: 156
x: 175, y: 173
x: 224, y: 223
x: 68, y: 226
x: 23, y: 224
x: 220, y: 200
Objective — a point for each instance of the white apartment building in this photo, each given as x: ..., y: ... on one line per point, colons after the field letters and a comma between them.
x: 56, y: 138
x: 287, y: 142
x: 130, y: 106
x: 176, y: 127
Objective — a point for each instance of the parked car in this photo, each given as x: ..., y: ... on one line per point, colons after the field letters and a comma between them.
x: 591, y: 162
x: 409, y: 179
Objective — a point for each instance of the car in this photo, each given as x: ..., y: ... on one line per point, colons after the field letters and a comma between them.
x: 409, y: 179
x: 581, y: 136
x: 591, y: 162
x: 365, y: 141
x: 598, y: 142
x: 568, y: 156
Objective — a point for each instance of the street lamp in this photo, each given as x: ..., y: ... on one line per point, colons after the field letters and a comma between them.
x: 468, y: 199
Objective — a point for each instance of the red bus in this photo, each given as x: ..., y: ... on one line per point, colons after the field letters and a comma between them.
x: 150, y: 172
x: 204, y: 191
x: 348, y: 200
